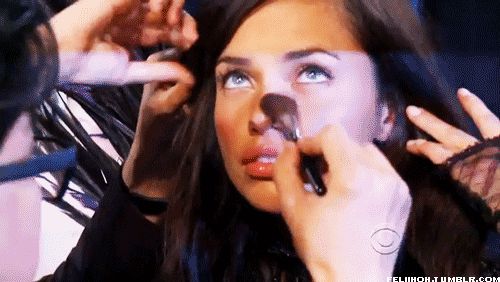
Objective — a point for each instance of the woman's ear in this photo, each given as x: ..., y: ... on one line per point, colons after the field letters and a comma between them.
x: 386, y: 122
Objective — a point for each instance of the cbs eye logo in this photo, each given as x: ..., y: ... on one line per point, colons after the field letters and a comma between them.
x: 385, y: 241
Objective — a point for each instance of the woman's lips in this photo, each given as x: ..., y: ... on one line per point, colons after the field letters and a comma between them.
x: 259, y: 161
x: 260, y: 169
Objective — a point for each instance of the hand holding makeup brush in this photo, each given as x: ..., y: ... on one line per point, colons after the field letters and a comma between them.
x: 284, y: 115
x: 355, y: 230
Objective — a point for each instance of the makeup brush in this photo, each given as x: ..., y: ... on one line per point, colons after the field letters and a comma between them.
x: 284, y: 116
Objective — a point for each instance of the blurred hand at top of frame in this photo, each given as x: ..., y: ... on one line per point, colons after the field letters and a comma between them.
x: 355, y: 230
x: 94, y: 38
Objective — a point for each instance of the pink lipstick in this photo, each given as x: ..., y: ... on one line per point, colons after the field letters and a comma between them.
x: 259, y: 162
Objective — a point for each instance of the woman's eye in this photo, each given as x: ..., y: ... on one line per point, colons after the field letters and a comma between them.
x: 313, y: 74
x: 236, y: 80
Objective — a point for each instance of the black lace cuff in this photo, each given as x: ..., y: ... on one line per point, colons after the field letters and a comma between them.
x: 477, y: 169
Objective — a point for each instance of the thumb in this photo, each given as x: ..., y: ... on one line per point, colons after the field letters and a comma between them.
x: 287, y: 178
x: 338, y: 150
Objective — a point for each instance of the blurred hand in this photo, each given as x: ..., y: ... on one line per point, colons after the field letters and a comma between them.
x: 354, y: 231
x: 479, y: 172
x: 152, y: 162
x: 94, y: 38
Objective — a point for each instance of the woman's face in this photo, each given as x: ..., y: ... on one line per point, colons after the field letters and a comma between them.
x: 302, y: 50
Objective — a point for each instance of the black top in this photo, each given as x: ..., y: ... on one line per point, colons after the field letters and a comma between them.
x: 119, y: 244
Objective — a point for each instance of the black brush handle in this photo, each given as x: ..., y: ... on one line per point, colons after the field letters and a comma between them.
x: 313, y: 175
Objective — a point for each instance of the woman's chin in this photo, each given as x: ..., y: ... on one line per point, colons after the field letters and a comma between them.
x: 262, y: 195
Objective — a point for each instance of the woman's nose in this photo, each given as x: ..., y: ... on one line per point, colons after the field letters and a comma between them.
x: 266, y: 112
x: 259, y: 122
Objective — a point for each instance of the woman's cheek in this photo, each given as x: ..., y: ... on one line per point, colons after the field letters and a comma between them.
x: 231, y: 115
x: 351, y: 106
x: 225, y: 127
x: 318, y: 112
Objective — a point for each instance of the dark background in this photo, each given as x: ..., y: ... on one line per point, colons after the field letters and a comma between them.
x: 468, y: 35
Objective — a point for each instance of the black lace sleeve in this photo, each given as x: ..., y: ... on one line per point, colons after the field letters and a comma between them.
x: 477, y: 170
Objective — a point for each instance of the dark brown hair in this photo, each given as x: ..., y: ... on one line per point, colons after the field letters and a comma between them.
x: 29, y: 63
x: 211, y: 229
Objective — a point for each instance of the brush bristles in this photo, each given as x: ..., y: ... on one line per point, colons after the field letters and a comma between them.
x: 282, y: 111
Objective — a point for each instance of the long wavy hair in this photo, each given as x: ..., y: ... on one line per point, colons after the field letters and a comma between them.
x: 212, y: 230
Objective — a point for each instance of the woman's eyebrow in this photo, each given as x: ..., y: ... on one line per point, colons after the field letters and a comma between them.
x: 299, y: 54
x: 233, y: 61
x: 292, y: 55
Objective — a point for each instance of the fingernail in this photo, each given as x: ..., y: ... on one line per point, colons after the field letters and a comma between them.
x: 415, y: 142
x: 167, y: 54
x: 175, y: 35
x: 413, y: 111
x: 464, y: 92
